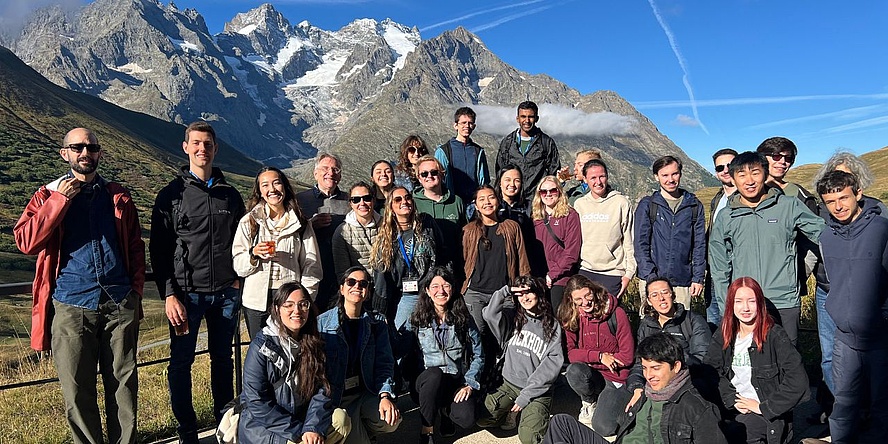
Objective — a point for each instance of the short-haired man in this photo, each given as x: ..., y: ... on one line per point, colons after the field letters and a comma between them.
x: 855, y: 254
x: 756, y: 236
x: 580, y: 189
x: 530, y: 149
x: 327, y: 206
x: 669, y: 410
x: 445, y: 207
x: 606, y: 219
x: 463, y: 162
x: 193, y: 224
x: 670, y: 234
x: 87, y: 289
x: 722, y: 160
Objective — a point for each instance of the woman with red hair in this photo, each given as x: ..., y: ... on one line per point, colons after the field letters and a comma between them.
x: 761, y: 377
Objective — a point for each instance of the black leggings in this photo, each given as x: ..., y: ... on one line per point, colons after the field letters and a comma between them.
x: 436, y: 389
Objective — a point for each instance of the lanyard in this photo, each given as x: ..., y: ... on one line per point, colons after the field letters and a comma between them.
x: 408, y: 259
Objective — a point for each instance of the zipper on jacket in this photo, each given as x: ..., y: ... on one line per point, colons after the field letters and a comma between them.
x: 212, y: 239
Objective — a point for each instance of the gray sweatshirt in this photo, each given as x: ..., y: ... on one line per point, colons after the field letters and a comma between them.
x: 531, y: 363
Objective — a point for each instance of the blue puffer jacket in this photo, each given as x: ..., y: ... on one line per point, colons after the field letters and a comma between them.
x: 375, y: 354
x: 273, y: 413
x: 452, y: 358
x: 675, y: 247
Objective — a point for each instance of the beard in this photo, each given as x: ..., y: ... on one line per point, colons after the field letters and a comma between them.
x: 89, y: 168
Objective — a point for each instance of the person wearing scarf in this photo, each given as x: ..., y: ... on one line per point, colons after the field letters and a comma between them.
x: 670, y: 410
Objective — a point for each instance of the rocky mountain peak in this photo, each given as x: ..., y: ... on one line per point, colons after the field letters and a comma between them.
x: 264, y: 18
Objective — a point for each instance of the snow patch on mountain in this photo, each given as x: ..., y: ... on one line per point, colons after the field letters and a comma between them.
x: 130, y: 68
x: 402, y: 42
x: 186, y: 46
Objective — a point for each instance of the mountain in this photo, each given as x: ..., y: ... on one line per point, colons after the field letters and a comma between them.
x: 279, y: 92
x: 140, y: 151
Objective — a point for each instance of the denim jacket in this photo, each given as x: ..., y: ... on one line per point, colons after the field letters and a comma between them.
x: 452, y: 359
x: 377, y: 362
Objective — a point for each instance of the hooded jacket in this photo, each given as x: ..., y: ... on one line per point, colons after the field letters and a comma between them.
x: 674, y: 246
x: 561, y: 262
x: 352, y: 242
x: 856, y: 260
x: 450, y: 215
x: 273, y: 412
x: 532, y: 362
x: 39, y: 231
x: 541, y: 159
x: 296, y: 255
x: 594, y: 337
x: 607, y: 234
x: 192, y: 229
x: 761, y: 242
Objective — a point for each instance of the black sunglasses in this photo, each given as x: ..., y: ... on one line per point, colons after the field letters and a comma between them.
x: 417, y: 149
x: 78, y: 147
x: 398, y: 199
x: 720, y: 168
x: 433, y: 173
x: 361, y: 283
x: 357, y: 199
x: 778, y: 157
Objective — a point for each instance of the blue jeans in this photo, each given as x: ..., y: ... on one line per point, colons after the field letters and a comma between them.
x: 825, y: 330
x: 220, y: 310
x: 713, y: 313
x: 860, y: 382
x: 405, y: 309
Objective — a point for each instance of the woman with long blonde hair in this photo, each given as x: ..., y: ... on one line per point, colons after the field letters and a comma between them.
x: 557, y: 228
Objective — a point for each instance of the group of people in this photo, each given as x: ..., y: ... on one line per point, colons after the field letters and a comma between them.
x: 472, y: 291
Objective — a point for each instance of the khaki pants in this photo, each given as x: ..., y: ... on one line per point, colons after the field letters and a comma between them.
x: 339, y: 429
x: 682, y: 296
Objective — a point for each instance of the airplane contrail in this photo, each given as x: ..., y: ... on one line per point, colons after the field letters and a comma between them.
x: 475, y: 14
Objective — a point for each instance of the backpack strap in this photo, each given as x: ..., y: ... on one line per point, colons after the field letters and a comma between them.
x: 612, y: 324
x: 552, y: 233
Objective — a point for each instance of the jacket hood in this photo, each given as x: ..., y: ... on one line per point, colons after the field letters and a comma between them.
x: 352, y: 219
x: 610, y: 194
x: 854, y: 229
x: 446, y: 197
x: 770, y: 198
x: 293, y: 222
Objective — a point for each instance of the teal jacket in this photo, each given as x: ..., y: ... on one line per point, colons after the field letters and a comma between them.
x: 760, y: 243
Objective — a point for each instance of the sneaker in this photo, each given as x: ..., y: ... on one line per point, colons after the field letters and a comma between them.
x: 447, y: 428
x: 586, y: 412
x: 511, y: 422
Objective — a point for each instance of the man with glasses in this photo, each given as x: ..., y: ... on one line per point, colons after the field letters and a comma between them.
x: 327, y: 206
x: 87, y: 289
x: 670, y: 235
x: 444, y: 206
x: 722, y: 159
x: 193, y: 224
x: 530, y: 149
x: 463, y: 162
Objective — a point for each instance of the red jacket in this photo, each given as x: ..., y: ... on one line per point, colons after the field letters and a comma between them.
x: 594, y: 337
x: 39, y: 231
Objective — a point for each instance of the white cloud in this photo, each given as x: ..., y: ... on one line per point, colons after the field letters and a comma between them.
x: 754, y: 100
x: 685, y: 120
x: 15, y: 13
x: 555, y: 120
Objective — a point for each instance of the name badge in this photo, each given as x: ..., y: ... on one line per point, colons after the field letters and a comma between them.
x: 410, y: 286
x: 352, y: 382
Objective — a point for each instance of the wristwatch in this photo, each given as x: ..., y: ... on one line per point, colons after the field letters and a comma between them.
x: 385, y: 395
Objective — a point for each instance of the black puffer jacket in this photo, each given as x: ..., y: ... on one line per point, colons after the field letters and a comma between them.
x: 192, y: 229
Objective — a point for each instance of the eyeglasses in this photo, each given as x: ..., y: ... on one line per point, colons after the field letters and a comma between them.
x: 779, y: 156
x: 334, y: 170
x: 357, y: 199
x: 433, y: 173
x: 548, y: 191
x: 417, y: 149
x: 361, y: 283
x: 399, y: 199
x: 720, y: 168
x: 302, y: 305
x: 465, y: 123
x: 662, y: 294
x: 78, y: 147
x: 434, y: 288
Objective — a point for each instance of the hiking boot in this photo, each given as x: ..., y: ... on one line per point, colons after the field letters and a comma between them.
x: 586, y: 412
x: 447, y: 428
x: 511, y: 422
x: 488, y: 422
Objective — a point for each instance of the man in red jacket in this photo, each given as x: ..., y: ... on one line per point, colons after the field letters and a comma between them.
x: 91, y: 269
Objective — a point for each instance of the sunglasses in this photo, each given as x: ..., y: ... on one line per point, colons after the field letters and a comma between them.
x: 361, y: 283
x: 78, y: 147
x: 548, y: 191
x: 302, y: 305
x: 399, y: 199
x: 720, y: 168
x: 357, y: 199
x: 417, y: 149
x: 778, y: 157
x: 433, y: 173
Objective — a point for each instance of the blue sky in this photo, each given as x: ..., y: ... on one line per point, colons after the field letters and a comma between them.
x: 709, y: 74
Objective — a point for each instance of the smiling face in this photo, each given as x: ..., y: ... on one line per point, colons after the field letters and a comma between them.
x: 669, y: 177
x: 439, y: 291
x: 81, y: 161
x: 464, y: 126
x: 486, y: 202
x: 510, y: 184
x: 659, y: 374
x: 201, y: 149
x: 328, y: 174
x: 294, y: 311
x: 356, y: 287
x: 750, y: 182
x: 844, y: 205
x: 527, y: 119
x: 549, y: 193
x: 365, y: 206
x: 660, y: 297
x: 724, y: 176
x: 779, y: 164
x: 382, y: 175
x: 429, y: 175
x: 596, y: 179
x: 745, y: 305
x: 402, y: 203
x: 271, y: 188
x: 582, y: 300
x: 527, y: 299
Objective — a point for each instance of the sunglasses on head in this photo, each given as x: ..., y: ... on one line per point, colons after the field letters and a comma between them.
x: 361, y: 283
x: 357, y: 199
x: 433, y: 173
x: 548, y: 191
x: 417, y: 149
x: 78, y: 147
x: 779, y: 156
x: 720, y: 168
x: 399, y: 199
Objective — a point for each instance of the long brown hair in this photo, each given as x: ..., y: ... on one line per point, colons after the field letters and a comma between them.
x: 311, y: 357
x: 476, y: 225
x: 404, y: 157
x: 568, y: 314
x: 537, y: 287
x: 290, y: 202
x: 382, y: 255
x: 763, y: 321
